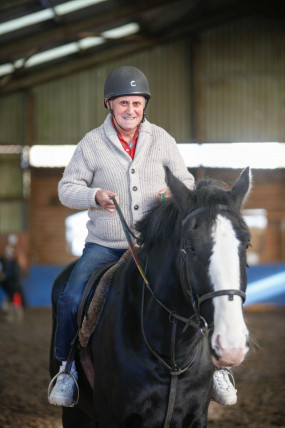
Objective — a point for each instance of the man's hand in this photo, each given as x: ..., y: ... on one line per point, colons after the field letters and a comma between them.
x: 166, y: 193
x: 102, y: 198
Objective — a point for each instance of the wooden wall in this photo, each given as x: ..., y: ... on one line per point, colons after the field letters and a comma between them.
x: 267, y: 193
x: 47, y: 215
x: 12, y: 202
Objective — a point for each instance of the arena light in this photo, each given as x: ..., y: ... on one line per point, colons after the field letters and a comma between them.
x: 25, y: 21
x: 52, y: 54
x: 50, y: 156
x: 69, y: 48
x: 64, y: 50
x: 6, y: 69
x: 45, y: 15
x: 234, y: 155
x: 122, y: 31
x: 72, y: 6
x: 90, y: 42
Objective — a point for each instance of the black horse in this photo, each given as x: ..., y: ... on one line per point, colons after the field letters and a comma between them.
x: 153, y: 355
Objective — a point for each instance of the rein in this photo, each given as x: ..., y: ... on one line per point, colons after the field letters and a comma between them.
x: 128, y: 233
x: 200, y: 323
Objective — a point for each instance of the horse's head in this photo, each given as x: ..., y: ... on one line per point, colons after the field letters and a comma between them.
x: 214, y: 243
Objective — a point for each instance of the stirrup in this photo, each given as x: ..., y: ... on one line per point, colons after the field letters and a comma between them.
x: 231, y: 375
x: 52, y: 382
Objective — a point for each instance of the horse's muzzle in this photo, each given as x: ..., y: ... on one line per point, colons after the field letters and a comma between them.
x: 227, y: 355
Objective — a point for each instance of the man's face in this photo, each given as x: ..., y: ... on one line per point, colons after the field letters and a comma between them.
x: 128, y: 110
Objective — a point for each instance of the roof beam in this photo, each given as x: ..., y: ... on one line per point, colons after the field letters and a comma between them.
x: 70, y: 31
x: 26, y: 80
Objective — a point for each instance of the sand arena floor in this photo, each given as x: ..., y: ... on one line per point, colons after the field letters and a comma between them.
x: 24, y: 375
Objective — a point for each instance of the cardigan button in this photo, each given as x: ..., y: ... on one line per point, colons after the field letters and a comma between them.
x: 136, y: 207
x: 135, y: 188
x: 132, y: 171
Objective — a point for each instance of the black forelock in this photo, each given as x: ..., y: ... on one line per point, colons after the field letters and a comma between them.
x: 210, y: 194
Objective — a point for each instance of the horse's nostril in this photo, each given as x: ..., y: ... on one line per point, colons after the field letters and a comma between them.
x: 216, y: 347
x: 217, y: 344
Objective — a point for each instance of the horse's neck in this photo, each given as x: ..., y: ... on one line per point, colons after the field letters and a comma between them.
x: 165, y: 298
x: 165, y: 281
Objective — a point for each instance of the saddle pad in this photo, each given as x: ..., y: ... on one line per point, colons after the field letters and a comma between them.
x: 96, y: 306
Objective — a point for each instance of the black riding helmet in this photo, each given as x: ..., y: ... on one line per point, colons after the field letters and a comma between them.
x: 126, y: 80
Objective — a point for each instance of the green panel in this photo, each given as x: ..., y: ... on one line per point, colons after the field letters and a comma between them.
x: 12, y: 119
x: 241, y: 82
x: 11, y: 177
x: 11, y: 216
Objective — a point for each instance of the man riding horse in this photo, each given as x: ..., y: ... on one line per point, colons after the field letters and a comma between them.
x: 125, y: 159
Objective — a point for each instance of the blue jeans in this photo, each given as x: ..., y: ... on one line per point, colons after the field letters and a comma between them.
x: 92, y: 258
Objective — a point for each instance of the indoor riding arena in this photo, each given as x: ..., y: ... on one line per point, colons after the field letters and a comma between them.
x: 216, y: 72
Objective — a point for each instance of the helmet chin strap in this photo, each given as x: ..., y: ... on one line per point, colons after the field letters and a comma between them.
x: 112, y: 113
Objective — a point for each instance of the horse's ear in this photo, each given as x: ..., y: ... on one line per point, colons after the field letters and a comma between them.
x: 242, y: 187
x: 180, y: 193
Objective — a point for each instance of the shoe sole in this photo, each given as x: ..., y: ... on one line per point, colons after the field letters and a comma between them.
x: 225, y: 401
x: 60, y: 401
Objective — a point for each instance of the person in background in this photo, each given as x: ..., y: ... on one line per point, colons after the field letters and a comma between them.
x: 11, y: 282
x: 124, y: 158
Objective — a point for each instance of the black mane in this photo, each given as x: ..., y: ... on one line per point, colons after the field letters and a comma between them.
x: 165, y: 217
x: 158, y: 224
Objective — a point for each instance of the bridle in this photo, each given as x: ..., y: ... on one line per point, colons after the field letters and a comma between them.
x: 196, y: 301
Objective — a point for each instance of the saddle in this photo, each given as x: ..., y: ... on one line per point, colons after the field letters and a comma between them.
x: 90, y: 309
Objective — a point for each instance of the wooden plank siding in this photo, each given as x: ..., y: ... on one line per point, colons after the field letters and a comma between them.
x: 47, y: 215
x: 267, y: 193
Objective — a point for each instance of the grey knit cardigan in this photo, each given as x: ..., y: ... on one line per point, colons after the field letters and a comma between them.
x: 100, y: 162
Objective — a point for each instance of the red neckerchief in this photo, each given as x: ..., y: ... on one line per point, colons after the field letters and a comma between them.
x: 129, y: 148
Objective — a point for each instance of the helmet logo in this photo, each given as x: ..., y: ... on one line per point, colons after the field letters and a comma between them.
x: 133, y: 83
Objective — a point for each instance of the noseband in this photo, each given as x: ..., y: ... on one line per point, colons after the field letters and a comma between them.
x: 186, y: 283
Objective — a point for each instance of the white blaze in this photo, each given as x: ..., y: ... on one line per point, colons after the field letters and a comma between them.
x: 229, y: 338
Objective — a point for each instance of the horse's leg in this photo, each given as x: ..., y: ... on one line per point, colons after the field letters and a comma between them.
x: 74, y: 417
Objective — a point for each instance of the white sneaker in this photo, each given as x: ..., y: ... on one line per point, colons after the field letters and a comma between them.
x: 224, y: 391
x: 62, y: 393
